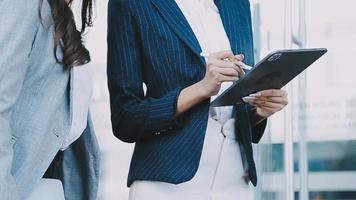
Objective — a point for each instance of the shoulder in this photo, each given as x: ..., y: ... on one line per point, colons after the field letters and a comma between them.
x: 20, y: 16
x: 127, y: 6
x: 28, y: 8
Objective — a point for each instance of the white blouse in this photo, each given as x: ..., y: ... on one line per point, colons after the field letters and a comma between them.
x: 204, y: 18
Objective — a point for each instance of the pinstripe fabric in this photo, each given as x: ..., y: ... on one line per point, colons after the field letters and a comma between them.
x: 150, y: 41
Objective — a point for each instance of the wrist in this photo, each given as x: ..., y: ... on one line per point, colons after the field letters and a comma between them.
x: 201, y: 91
x: 189, y: 97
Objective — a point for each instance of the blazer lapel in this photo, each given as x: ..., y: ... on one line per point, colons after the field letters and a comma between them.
x: 229, y: 16
x: 176, y: 20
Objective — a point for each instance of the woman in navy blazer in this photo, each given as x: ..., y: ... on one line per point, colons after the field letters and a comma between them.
x: 153, y: 42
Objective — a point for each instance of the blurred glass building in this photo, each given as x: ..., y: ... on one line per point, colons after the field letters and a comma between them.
x: 309, y: 150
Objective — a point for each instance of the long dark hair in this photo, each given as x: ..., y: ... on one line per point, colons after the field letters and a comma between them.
x: 66, y: 34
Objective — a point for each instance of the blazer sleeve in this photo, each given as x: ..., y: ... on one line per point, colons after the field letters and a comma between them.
x: 134, y: 116
x: 259, y: 129
x: 18, y: 21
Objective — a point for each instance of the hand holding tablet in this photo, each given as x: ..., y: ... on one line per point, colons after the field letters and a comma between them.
x: 273, y: 72
x: 268, y: 102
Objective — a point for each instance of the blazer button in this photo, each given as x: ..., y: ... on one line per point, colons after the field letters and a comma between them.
x: 158, y: 133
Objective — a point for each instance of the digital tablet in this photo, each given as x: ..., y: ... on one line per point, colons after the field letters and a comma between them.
x: 273, y: 72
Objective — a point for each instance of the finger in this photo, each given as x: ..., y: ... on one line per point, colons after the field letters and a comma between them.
x: 251, y: 100
x: 239, y: 66
x: 235, y: 58
x: 266, y: 108
x: 266, y: 104
x: 260, y: 103
x: 279, y: 100
x: 221, y: 55
x: 240, y: 57
x: 222, y: 63
x: 223, y: 78
x: 255, y: 104
x: 225, y: 71
x: 251, y: 103
x: 270, y: 93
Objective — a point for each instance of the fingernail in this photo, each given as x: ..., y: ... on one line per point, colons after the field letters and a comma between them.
x: 248, y: 98
x: 255, y: 95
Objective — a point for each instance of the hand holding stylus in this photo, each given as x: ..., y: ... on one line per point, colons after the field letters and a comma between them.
x: 220, y: 67
x: 237, y: 59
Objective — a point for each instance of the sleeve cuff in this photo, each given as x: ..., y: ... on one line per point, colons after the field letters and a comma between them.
x: 163, y: 114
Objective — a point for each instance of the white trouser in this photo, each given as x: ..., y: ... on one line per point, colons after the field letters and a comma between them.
x: 219, y: 176
x: 48, y: 189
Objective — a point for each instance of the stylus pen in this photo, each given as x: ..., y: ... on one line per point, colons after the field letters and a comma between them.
x: 243, y: 66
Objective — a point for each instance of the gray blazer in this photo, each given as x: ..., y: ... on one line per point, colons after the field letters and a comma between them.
x: 35, y: 109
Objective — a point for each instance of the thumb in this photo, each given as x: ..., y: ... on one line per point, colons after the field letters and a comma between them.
x: 222, y: 55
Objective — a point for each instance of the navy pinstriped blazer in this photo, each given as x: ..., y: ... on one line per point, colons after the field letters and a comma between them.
x: 151, y: 42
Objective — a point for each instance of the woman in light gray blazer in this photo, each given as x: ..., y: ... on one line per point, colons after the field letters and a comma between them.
x: 48, y: 149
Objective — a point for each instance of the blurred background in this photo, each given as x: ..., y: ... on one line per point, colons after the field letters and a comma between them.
x: 309, y: 150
